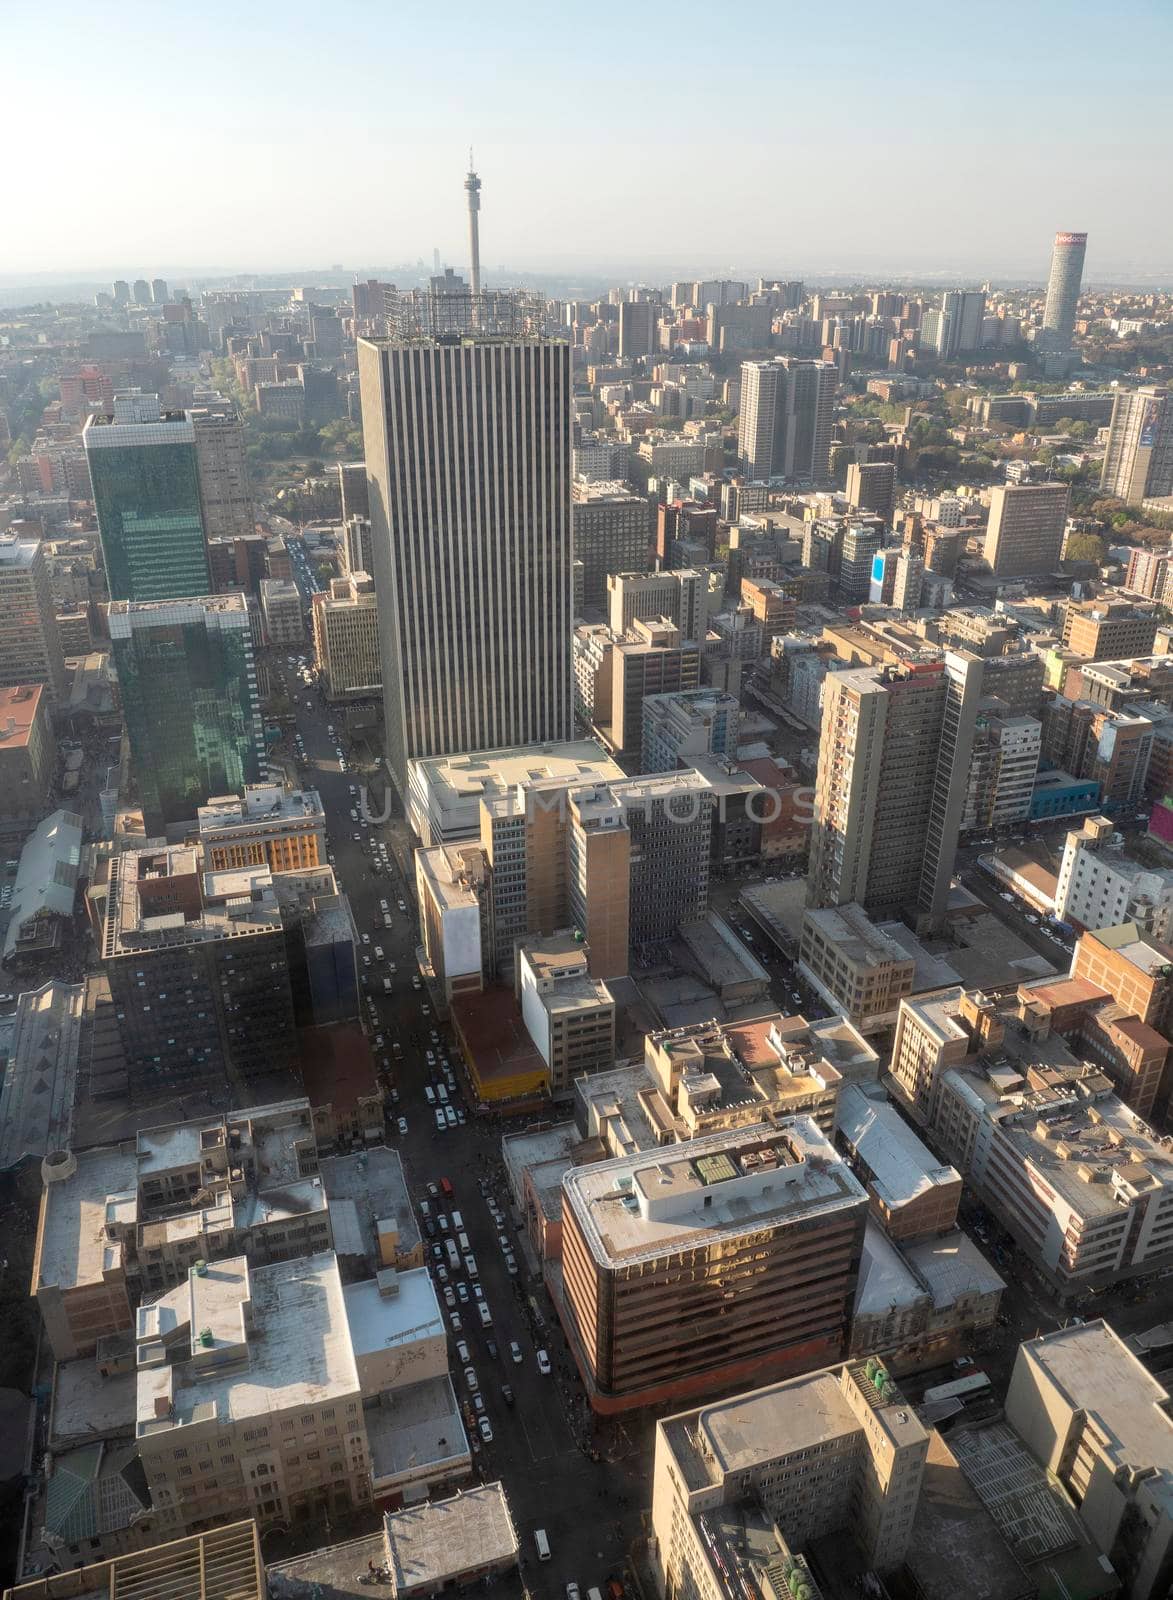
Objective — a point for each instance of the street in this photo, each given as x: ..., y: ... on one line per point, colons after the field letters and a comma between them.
x: 541, y: 1445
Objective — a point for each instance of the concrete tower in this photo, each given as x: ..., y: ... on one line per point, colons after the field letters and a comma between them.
x: 472, y: 187
x: 1063, y: 288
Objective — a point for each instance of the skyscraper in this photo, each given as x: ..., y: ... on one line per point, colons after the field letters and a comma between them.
x: 960, y: 326
x: 637, y: 327
x: 159, y: 293
x: 787, y: 407
x: 472, y: 187
x: 1138, y: 462
x: 1063, y: 289
x: 1024, y: 533
x: 189, y: 696
x: 467, y: 443
x: 30, y: 646
x: 147, y: 498
x: 221, y: 468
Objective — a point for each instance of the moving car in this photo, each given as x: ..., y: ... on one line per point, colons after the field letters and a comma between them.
x: 543, y: 1364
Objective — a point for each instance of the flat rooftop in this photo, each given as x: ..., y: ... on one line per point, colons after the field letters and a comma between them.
x: 18, y: 710
x: 373, y: 1181
x: 903, y: 1169
x: 379, y: 1321
x: 300, y: 1350
x: 74, y: 1248
x: 1096, y: 1373
x: 636, y: 1208
x: 852, y: 932
x: 451, y: 787
x: 432, y: 1543
x: 417, y: 1428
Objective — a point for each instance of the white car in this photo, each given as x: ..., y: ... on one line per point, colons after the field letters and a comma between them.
x: 402, y: 904
x: 450, y: 1297
x: 401, y: 1124
x: 543, y: 1364
x: 366, y: 938
x: 470, y: 1379
x: 515, y: 1352
x: 486, y: 1430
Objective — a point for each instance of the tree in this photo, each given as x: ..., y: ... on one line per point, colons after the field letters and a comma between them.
x: 1085, y: 547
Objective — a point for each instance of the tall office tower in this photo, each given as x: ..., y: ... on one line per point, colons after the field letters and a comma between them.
x: 1063, y: 289
x: 222, y: 468
x: 610, y: 535
x: 472, y: 187
x: 159, y: 292
x: 1025, y: 531
x: 1138, y: 462
x: 787, y: 407
x: 30, y: 646
x: 871, y: 486
x: 142, y: 292
x: 121, y: 292
x: 357, y: 555
x: 352, y: 487
x: 681, y: 595
x: 637, y: 327
x: 147, y: 498
x: 189, y: 696
x: 874, y: 790
x: 468, y: 451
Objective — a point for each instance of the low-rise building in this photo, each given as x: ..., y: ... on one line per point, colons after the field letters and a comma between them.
x: 922, y: 1303
x: 45, y: 890
x: 736, y: 1254
x: 1100, y: 1422
x: 283, y: 829
x: 857, y: 968
x: 912, y: 1194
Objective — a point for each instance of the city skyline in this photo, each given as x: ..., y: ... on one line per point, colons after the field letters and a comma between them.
x: 834, y: 168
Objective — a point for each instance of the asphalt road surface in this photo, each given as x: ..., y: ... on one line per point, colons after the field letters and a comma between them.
x: 543, y: 1444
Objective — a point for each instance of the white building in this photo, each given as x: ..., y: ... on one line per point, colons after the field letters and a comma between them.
x: 1100, y: 887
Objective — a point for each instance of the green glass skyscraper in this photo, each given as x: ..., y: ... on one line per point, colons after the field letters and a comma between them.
x: 189, y: 697
x: 147, y: 497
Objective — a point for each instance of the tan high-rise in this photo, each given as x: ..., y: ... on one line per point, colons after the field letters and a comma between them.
x: 1025, y: 532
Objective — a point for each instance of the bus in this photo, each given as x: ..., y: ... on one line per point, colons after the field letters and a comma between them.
x: 960, y: 1389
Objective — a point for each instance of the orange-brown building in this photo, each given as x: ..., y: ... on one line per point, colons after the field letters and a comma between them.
x: 696, y: 1268
x: 1137, y: 972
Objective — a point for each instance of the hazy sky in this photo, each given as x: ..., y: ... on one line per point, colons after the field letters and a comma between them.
x: 637, y: 139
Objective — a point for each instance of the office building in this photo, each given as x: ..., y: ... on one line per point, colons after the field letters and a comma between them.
x: 871, y: 486
x: 1138, y: 459
x: 197, y: 969
x: 445, y: 793
x: 145, y: 476
x: 610, y: 535
x: 282, y: 829
x: 691, y: 723
x: 689, y: 1270
x: 28, y: 754
x: 1136, y: 969
x: 681, y: 595
x: 616, y: 676
x: 347, y: 638
x: 1093, y: 1415
x: 858, y: 968
x: 473, y: 566
x: 1063, y: 286
x: 451, y: 884
x: 30, y: 649
x: 356, y: 551
x: 1109, y: 630
x: 189, y: 697
x: 569, y: 1015
x: 784, y: 428
x: 637, y: 328
x: 281, y: 612
x: 742, y: 1486
x: 353, y: 491
x: 670, y: 819
x: 221, y: 468
x: 1025, y: 532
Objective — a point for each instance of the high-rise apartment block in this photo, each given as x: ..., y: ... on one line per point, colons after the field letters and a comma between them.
x: 687, y: 1270
x: 610, y: 535
x: 222, y: 468
x: 145, y: 476
x: 468, y: 451
x: 347, y: 637
x: 956, y: 327
x: 30, y: 648
x: 189, y: 696
x: 197, y: 968
x: 741, y: 1487
x: 1138, y: 460
x: 787, y: 406
x: 1025, y: 532
x: 1063, y: 286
